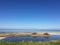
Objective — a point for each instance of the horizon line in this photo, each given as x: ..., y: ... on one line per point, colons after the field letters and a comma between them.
x: 31, y: 29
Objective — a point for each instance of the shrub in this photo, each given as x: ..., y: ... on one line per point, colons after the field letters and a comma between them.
x: 34, y: 33
x: 46, y: 34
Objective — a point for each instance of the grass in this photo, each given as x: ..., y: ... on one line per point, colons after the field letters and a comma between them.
x: 30, y: 43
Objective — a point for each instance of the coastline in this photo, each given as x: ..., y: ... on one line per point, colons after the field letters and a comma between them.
x: 2, y: 36
x: 51, y: 33
x: 54, y: 33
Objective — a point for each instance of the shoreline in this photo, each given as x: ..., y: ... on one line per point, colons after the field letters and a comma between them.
x: 54, y: 33
x: 2, y: 38
x: 51, y: 33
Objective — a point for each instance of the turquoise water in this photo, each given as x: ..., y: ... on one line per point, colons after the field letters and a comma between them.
x: 28, y: 30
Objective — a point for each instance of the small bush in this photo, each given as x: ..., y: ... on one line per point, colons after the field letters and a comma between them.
x: 34, y: 33
x: 46, y: 34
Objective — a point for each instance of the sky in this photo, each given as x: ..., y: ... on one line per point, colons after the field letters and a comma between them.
x: 29, y: 14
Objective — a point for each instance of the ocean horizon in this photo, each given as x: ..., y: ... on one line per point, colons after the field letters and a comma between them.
x: 29, y: 30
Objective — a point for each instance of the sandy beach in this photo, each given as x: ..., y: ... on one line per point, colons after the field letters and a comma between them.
x: 54, y: 33
x: 51, y: 33
x: 2, y: 38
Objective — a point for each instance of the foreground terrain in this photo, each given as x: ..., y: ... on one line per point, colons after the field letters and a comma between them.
x: 30, y: 43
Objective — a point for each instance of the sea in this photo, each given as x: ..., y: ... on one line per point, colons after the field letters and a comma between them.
x: 29, y: 30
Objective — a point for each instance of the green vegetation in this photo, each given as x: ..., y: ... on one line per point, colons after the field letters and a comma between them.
x: 46, y: 34
x: 34, y: 33
x: 30, y: 43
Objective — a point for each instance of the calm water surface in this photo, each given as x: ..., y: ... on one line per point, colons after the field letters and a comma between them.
x: 29, y: 30
x: 35, y: 39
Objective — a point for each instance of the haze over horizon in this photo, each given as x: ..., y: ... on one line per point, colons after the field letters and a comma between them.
x: 29, y: 14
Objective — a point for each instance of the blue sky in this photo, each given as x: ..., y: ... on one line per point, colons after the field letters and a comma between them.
x: 30, y: 14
